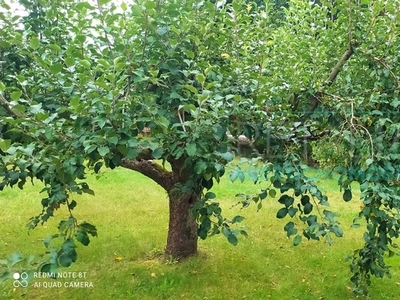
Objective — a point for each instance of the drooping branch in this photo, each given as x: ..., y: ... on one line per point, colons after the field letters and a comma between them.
x: 152, y: 170
x: 382, y: 62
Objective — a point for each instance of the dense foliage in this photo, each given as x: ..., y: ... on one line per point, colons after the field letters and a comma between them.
x: 80, y: 82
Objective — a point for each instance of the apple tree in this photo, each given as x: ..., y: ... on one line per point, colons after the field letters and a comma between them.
x: 92, y: 76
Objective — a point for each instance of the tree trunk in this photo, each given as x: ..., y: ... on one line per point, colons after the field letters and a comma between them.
x: 182, y: 233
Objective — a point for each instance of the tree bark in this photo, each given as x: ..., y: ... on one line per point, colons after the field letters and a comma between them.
x: 182, y: 231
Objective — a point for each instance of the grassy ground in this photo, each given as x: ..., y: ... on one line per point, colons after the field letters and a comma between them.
x: 130, y: 212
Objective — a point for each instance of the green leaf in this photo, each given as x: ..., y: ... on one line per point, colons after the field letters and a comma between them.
x: 263, y: 195
x: 49, y: 268
x: 311, y: 220
x: 133, y: 153
x: 162, y: 30
x: 208, y: 184
x: 200, y: 78
x: 103, y: 2
x: 82, y: 237
x: 19, y: 107
x: 103, y: 151
x: 113, y: 140
x: 289, y: 201
x: 292, y: 211
x: 209, y: 195
x: 207, y: 176
x: 282, y: 213
x: 14, y: 258
x: 56, y: 68
x: 191, y: 149
x: 83, y: 5
x: 2, y: 87
x: 369, y: 161
x: 74, y: 102
x: 308, y: 208
x: 16, y: 95
x: 288, y: 226
x: 347, y: 195
x: 65, y: 260
x: 236, y: 6
x: 85, y: 63
x: 228, y: 156
x: 119, y: 60
x: 190, y: 88
x: 337, y: 231
x: 233, y: 175
x: 150, y: 4
x: 232, y: 239
x: 34, y: 43
x: 330, y: 216
x: 241, y: 176
x: 35, y: 108
x: 119, y: 67
x: 277, y: 184
x: 103, y: 62
x: 81, y: 38
x: 297, y: 240
x: 89, y: 228
x: 253, y: 176
x: 4, y: 144
x: 42, y: 116
x: 329, y: 240
x: 202, y: 233
x: 305, y: 199
x: 88, y: 191
x: 28, y: 150
x: 48, y: 240
x: 189, y: 54
x: 157, y: 153
x: 244, y: 233
x: 68, y: 246
x: 97, y: 167
x: 72, y: 205
x: 272, y: 193
x: 237, y: 219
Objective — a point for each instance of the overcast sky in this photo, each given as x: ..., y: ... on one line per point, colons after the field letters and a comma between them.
x: 17, y: 9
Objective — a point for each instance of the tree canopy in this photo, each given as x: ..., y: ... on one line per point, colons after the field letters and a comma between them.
x: 80, y: 81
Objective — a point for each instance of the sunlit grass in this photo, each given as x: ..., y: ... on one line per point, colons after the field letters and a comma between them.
x: 131, y: 214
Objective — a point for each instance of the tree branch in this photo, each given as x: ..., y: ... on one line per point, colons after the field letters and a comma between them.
x: 7, y: 106
x: 146, y: 154
x: 315, y: 98
x: 336, y: 69
x: 152, y: 170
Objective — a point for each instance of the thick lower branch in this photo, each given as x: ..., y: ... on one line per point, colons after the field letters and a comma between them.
x: 152, y: 170
x: 146, y: 154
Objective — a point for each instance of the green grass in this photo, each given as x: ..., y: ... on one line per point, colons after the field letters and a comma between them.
x: 131, y: 214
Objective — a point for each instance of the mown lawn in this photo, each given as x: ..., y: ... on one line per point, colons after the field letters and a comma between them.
x: 130, y: 212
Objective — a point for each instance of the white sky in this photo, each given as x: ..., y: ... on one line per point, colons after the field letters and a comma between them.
x: 17, y: 9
